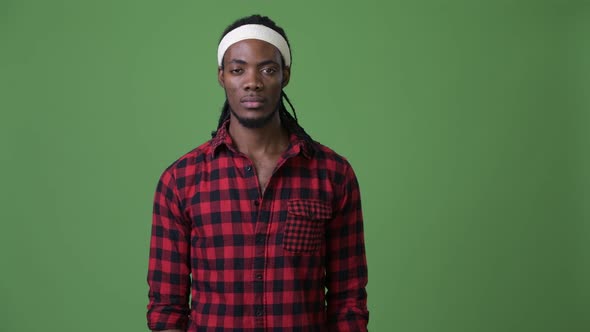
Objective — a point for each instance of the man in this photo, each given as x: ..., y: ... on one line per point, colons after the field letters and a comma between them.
x: 256, y: 224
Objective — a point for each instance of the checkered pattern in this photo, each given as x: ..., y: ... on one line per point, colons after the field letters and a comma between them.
x: 292, y: 259
x: 304, y: 230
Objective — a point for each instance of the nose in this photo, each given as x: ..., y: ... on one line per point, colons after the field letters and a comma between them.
x: 253, y: 81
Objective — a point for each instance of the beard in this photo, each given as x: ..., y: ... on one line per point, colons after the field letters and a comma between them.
x: 255, y: 123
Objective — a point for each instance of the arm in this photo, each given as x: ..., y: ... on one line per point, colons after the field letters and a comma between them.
x: 169, y: 269
x: 346, y: 266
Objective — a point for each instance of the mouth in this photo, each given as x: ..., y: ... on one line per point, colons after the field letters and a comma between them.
x: 252, y: 102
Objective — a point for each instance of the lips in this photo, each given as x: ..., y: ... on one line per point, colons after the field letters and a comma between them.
x: 252, y: 102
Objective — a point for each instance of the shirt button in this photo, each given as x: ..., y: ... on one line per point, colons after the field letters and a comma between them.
x: 258, y: 313
x: 259, y: 276
x: 248, y: 168
x: 257, y: 202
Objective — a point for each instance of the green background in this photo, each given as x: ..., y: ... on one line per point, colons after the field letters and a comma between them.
x: 467, y: 123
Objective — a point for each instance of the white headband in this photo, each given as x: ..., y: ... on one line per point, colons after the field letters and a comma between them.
x: 254, y: 31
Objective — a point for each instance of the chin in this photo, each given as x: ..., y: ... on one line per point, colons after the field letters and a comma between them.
x: 255, y: 122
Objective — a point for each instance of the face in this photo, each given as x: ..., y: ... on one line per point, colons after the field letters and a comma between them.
x: 253, y: 78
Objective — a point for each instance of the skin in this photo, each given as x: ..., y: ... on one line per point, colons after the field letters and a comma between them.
x: 253, y: 78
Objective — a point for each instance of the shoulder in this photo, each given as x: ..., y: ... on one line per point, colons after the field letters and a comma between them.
x: 189, y: 164
x: 323, y: 152
x: 335, y: 163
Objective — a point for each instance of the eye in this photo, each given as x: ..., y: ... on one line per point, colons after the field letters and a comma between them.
x: 236, y: 71
x: 269, y: 70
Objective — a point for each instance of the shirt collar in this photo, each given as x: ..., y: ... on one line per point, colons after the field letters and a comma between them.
x: 297, y: 144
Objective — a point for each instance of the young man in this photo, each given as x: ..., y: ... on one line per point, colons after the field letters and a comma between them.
x: 254, y: 226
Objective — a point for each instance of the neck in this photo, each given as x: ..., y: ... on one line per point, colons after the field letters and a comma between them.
x: 270, y: 139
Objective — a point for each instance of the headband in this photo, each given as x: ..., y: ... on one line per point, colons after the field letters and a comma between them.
x: 254, y: 31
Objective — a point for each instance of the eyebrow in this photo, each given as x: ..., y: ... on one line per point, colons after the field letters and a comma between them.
x: 263, y: 63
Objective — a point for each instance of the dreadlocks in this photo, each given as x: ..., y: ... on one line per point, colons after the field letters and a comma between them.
x: 289, y: 121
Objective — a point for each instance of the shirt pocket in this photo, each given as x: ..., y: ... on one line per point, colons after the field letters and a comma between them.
x: 305, y: 226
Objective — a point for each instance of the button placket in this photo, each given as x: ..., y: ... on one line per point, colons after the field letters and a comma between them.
x: 261, y: 229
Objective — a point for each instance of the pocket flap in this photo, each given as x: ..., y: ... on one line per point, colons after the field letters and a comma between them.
x: 312, y: 209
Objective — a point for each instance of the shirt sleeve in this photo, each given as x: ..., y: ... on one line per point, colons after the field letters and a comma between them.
x: 169, y: 267
x: 346, y: 266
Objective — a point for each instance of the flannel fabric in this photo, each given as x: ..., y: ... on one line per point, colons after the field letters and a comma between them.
x: 289, y: 259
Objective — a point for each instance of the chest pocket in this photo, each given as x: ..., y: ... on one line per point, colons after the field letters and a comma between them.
x: 305, y: 226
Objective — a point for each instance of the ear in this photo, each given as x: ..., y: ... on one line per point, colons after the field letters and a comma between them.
x: 286, y: 76
x: 220, y: 77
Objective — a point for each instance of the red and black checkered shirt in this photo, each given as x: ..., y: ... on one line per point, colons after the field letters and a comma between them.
x: 292, y: 259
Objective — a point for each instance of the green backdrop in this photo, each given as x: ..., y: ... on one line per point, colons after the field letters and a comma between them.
x: 467, y: 123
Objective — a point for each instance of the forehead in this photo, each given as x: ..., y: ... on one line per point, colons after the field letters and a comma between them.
x: 253, y: 50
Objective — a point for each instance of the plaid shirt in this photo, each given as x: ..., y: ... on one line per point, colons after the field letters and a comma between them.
x: 258, y: 262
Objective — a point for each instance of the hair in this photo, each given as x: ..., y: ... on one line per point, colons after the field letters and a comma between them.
x: 289, y: 121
